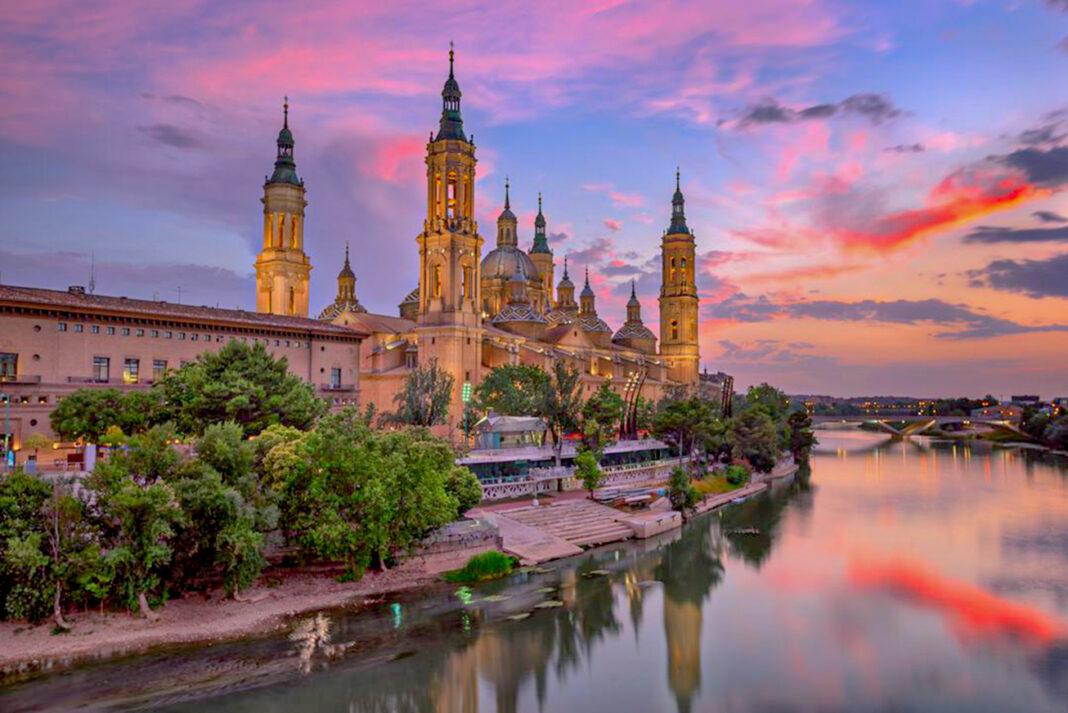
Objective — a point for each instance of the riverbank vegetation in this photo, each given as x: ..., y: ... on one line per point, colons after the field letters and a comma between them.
x: 483, y: 567
x: 226, y: 456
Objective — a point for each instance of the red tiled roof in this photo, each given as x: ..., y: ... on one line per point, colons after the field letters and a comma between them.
x: 148, y: 309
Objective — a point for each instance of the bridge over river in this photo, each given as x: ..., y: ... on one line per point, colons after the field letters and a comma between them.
x: 904, y: 426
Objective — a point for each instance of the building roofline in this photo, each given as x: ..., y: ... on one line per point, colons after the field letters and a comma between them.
x: 104, y: 305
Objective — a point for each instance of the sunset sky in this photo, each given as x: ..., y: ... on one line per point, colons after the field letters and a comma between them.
x: 877, y: 188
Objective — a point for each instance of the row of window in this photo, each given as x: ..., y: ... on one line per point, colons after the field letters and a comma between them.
x: 24, y: 399
x: 168, y: 334
x: 131, y: 369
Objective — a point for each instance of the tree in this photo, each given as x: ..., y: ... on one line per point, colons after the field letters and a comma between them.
x: 801, y: 437
x: 773, y: 400
x: 513, y: 390
x: 1056, y: 434
x: 24, y: 586
x: 464, y: 487
x: 424, y: 400
x: 468, y: 419
x: 144, y: 517
x: 561, y: 402
x: 113, y: 437
x: 691, y: 425
x: 35, y: 442
x: 588, y: 471
x: 71, y: 547
x: 754, y: 438
x: 644, y: 412
x: 239, y: 383
x: 681, y: 493
x: 87, y: 414
x: 357, y: 495
x: 601, y: 416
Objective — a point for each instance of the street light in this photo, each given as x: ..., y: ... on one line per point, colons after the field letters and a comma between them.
x: 7, y: 428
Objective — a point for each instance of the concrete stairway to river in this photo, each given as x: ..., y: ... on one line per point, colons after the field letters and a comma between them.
x: 581, y: 522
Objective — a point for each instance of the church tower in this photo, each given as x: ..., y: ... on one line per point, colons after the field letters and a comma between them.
x: 678, y: 296
x: 282, y: 268
x: 449, y: 321
x: 543, y: 256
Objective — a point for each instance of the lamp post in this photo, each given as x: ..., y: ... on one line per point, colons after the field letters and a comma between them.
x: 7, y: 426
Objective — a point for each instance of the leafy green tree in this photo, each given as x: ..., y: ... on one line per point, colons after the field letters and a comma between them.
x: 144, y: 517
x: 588, y: 471
x: 86, y: 413
x: 425, y: 398
x: 71, y: 546
x: 754, y: 438
x: 358, y: 495
x: 151, y: 456
x: 801, y: 437
x: 692, y: 426
x: 464, y: 487
x: 1034, y: 423
x: 113, y: 437
x: 601, y: 417
x: 644, y: 412
x: 561, y: 403
x: 681, y: 493
x: 24, y: 590
x: 513, y: 390
x: 774, y: 401
x: 239, y: 383
x: 140, y: 410
x: 223, y: 447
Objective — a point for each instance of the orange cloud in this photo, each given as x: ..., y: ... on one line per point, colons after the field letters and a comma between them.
x: 973, y: 612
x: 959, y: 198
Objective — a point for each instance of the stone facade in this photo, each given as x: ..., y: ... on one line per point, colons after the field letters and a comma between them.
x: 54, y: 342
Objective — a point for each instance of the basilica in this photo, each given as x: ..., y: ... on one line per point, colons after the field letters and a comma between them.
x: 473, y: 311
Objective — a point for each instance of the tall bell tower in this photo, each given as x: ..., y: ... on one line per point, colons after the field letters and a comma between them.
x: 282, y: 267
x: 449, y: 324
x: 679, y: 346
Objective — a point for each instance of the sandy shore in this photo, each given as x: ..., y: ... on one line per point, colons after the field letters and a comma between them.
x: 196, y: 618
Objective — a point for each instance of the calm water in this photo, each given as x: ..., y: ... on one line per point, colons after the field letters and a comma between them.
x: 897, y: 577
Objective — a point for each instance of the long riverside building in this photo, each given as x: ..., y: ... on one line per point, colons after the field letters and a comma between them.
x: 54, y: 342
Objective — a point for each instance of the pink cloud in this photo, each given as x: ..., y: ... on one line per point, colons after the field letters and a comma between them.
x: 614, y: 225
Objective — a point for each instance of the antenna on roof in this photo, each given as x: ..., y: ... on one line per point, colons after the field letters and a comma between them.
x: 179, y: 294
x: 92, y: 272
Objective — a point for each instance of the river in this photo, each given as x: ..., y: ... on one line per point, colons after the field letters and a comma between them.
x: 896, y: 576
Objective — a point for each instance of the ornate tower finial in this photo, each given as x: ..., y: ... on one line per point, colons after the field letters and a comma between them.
x: 451, y: 125
x: 285, y: 112
x: 633, y: 296
x: 565, y: 267
x: 451, y: 57
x: 678, y: 175
x: 507, y: 199
x: 587, y: 277
x: 539, y: 202
x: 678, y: 211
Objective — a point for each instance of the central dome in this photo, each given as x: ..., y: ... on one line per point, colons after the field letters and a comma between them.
x: 505, y: 261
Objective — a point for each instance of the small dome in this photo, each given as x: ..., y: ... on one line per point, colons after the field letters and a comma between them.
x: 593, y: 323
x: 634, y: 330
x: 505, y: 261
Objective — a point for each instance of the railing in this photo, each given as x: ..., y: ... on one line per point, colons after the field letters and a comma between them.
x: 20, y: 378
x: 337, y: 387
x: 515, y: 489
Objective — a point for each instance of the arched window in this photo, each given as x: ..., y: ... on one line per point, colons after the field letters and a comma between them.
x: 682, y: 272
x: 292, y: 301
x: 467, y: 282
x: 435, y: 282
x: 450, y: 197
x: 674, y: 329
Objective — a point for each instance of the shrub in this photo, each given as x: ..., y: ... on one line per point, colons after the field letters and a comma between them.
x: 736, y: 474
x: 461, y: 484
x: 588, y: 471
x: 487, y: 565
x: 682, y: 494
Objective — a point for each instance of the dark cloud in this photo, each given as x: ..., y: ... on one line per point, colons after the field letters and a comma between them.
x: 1048, y: 216
x: 905, y: 148
x: 876, y: 108
x: 960, y: 321
x: 1047, y: 134
x: 178, y: 99
x: 626, y: 269
x: 1045, y: 167
x: 985, y: 234
x: 171, y: 135
x: 1034, y: 278
x: 1061, y: 5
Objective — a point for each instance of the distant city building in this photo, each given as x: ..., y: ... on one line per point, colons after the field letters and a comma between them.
x: 54, y: 342
x: 1003, y: 412
x: 1026, y: 399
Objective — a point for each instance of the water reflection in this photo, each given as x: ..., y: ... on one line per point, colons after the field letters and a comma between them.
x: 909, y: 575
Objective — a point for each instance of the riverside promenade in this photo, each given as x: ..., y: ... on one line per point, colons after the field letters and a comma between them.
x: 569, y: 522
